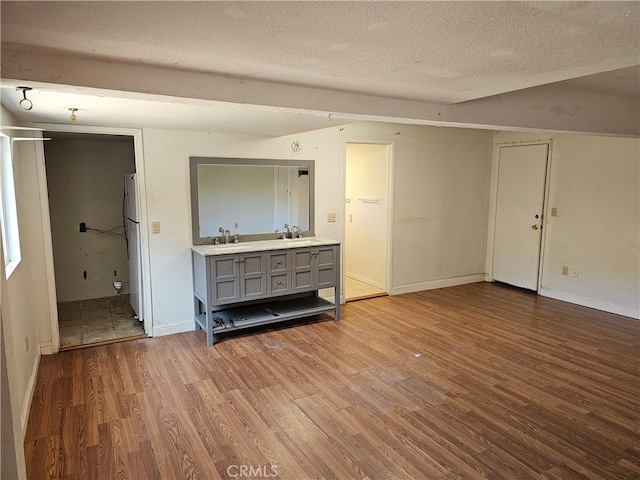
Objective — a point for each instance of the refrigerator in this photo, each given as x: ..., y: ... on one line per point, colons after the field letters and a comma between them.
x: 132, y: 234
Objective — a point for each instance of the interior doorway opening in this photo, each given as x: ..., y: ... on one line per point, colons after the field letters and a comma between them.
x: 96, y: 248
x: 366, y: 220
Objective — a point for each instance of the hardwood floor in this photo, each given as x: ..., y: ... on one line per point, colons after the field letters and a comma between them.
x: 476, y: 381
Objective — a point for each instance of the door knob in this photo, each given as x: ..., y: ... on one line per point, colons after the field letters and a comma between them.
x: 535, y: 227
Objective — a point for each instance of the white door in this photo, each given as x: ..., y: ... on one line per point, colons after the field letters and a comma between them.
x: 522, y: 172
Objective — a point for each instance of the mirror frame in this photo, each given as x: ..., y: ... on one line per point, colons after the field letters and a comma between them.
x: 194, y: 162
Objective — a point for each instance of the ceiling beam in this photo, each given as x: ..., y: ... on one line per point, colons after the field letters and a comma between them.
x: 546, y: 108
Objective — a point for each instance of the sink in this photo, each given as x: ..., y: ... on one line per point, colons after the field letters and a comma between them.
x: 232, y: 248
x: 257, y: 245
x: 298, y: 241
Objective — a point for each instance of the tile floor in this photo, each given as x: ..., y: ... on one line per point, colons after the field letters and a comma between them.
x: 97, y: 320
x: 357, y: 290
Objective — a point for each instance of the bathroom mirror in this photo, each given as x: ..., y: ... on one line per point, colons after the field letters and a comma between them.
x: 253, y: 198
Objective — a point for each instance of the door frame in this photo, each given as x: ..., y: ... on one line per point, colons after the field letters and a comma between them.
x: 391, y: 155
x: 54, y: 346
x: 493, y: 206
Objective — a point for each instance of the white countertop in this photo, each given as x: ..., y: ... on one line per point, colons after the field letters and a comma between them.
x: 262, y: 245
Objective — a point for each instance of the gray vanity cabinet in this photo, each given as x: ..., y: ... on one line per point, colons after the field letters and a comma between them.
x: 241, y: 290
x: 314, y: 268
x: 235, y: 277
x: 278, y: 272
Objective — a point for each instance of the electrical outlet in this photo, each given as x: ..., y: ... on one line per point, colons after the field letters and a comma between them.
x: 155, y: 227
x: 83, y: 227
x: 575, y: 272
x: 331, y: 217
x: 554, y: 211
x: 565, y: 270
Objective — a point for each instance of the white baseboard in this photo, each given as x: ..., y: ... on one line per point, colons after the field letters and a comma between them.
x: 364, y: 280
x: 28, y: 398
x: 447, y: 282
x: 46, y: 348
x: 591, y: 303
x: 160, y: 330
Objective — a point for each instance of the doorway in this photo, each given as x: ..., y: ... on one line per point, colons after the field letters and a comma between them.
x: 86, y: 178
x: 366, y: 220
x: 520, y: 201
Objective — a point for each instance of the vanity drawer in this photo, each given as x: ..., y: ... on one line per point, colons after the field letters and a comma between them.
x: 279, y: 283
x: 278, y: 262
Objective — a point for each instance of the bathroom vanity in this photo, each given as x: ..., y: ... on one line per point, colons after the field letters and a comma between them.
x: 275, y: 266
x: 242, y: 285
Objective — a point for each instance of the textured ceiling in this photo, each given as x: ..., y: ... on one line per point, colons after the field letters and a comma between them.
x: 439, y: 52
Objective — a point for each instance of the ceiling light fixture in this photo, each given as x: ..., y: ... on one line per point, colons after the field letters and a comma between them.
x: 72, y: 117
x: 25, y: 102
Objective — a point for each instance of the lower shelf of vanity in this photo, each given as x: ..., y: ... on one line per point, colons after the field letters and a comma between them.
x: 236, y: 318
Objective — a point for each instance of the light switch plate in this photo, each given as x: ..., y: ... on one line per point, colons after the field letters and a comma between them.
x: 155, y: 227
x: 331, y: 217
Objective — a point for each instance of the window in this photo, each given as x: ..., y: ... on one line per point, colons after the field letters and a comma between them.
x: 8, y: 211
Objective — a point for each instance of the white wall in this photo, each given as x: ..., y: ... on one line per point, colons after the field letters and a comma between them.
x: 440, y: 197
x: 11, y: 452
x: 594, y: 184
x: 25, y: 307
x: 85, y: 179
x: 166, y: 156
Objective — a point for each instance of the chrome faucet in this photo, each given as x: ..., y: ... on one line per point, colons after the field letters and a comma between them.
x: 225, y: 234
x: 285, y: 235
x: 296, y: 232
